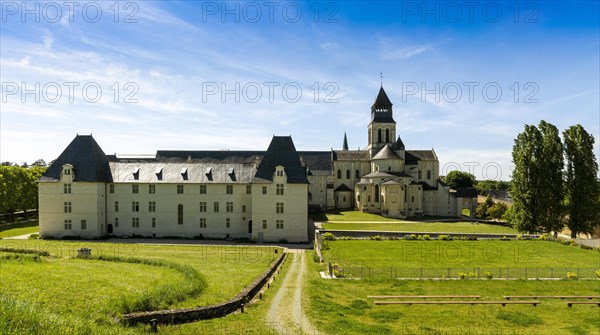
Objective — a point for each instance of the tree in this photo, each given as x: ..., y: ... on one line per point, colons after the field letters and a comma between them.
x: 456, y: 179
x: 581, y: 185
x: 39, y: 162
x: 482, y: 210
x: 497, y: 210
x: 551, y: 185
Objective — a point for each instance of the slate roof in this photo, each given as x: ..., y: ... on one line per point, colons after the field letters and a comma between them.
x: 89, y: 162
x: 398, y: 145
x: 466, y: 192
x: 350, y: 155
x: 386, y: 153
x: 379, y: 174
x: 282, y: 152
x: 413, y: 156
x: 171, y: 172
x: 343, y: 188
x: 317, y: 162
x: 391, y: 182
x: 224, y: 156
x: 381, y: 111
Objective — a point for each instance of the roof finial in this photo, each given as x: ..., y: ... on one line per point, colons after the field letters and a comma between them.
x: 381, y: 78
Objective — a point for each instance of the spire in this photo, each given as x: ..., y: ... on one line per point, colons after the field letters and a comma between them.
x: 345, y: 147
x: 382, y: 108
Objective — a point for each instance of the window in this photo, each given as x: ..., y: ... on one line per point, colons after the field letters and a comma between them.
x: 135, y: 222
x: 83, y: 224
x: 376, y: 193
x: 428, y: 174
x: 339, y: 174
x: 67, y: 188
x: 279, y: 189
x: 229, y: 207
x: 279, y: 173
x: 347, y: 174
x: 152, y: 206
x: 279, y: 208
x: 135, y: 188
x: 248, y: 189
x: 216, y: 207
x: 111, y: 188
x: 151, y: 188
x: 136, y: 173
x: 179, y: 189
x: 202, y: 189
x: 419, y: 175
x: 243, y: 208
x: 357, y: 174
x: 202, y: 222
x: 135, y: 206
x: 227, y: 222
x: 412, y: 199
x: 68, y: 207
x: 264, y: 190
x: 68, y: 225
x: 153, y: 222
x: 202, y: 206
x: 264, y: 224
x: 116, y: 222
x: 378, y: 135
x: 179, y: 214
x: 67, y: 171
x: 116, y: 206
x: 229, y: 189
x: 279, y: 224
x: 387, y: 135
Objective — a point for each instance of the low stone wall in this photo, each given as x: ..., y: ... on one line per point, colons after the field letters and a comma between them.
x: 185, y: 315
x: 401, y: 234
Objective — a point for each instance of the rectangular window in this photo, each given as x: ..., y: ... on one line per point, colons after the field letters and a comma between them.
x: 279, y: 208
x: 111, y: 188
x: 67, y: 189
x: 202, y: 189
x: 216, y: 207
x: 116, y: 206
x: 202, y: 222
x: 264, y: 190
x: 202, y: 206
x: 179, y: 214
x: 135, y: 188
x: 152, y: 189
x: 412, y: 199
x: 153, y: 222
x: 67, y: 207
x: 279, y: 189
x: 68, y: 225
x: 116, y: 222
x: 135, y: 222
x: 152, y: 206
x: 229, y: 189
x: 229, y: 207
x: 428, y: 174
x: 179, y: 189
x: 227, y: 222
x: 248, y: 189
x: 135, y: 206
x: 264, y: 224
x: 279, y: 224
x: 243, y: 208
x: 83, y: 224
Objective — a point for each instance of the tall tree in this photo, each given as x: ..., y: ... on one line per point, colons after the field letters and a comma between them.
x: 551, y: 185
x: 581, y: 185
x: 456, y: 179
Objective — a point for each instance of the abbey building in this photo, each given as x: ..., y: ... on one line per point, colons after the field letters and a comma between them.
x: 261, y: 195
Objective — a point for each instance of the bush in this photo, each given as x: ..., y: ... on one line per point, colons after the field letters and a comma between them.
x: 376, y: 238
x: 573, y: 244
x: 488, y: 275
x: 393, y: 238
x: 34, y: 236
x: 598, y: 273
x: 565, y: 242
x: 504, y: 238
x: 329, y: 237
x: 473, y: 275
x: 544, y: 237
x: 444, y: 238
x: 571, y: 275
x: 519, y: 237
x: 462, y: 275
x: 411, y: 237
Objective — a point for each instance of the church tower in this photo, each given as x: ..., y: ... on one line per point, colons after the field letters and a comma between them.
x: 382, y: 128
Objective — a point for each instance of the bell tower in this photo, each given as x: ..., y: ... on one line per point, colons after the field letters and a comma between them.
x: 382, y: 128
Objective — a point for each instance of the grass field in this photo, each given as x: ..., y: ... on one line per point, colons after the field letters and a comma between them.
x: 433, y: 227
x: 341, y: 306
x: 17, y: 229
x: 61, y: 286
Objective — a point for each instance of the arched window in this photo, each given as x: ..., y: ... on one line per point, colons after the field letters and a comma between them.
x: 339, y: 174
x: 347, y: 174
x: 357, y: 175
x: 180, y: 214
x: 376, y: 193
x: 387, y: 136
x: 378, y: 135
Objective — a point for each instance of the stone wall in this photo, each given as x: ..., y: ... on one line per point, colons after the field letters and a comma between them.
x: 185, y: 315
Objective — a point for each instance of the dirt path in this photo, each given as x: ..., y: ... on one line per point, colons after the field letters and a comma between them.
x: 286, y: 315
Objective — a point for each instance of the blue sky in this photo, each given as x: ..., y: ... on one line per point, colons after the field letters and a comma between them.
x: 187, y: 75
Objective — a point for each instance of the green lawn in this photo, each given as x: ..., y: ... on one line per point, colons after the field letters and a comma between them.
x: 17, y: 229
x: 71, y: 289
x: 434, y: 227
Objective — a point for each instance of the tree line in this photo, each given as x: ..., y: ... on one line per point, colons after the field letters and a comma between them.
x: 18, y: 186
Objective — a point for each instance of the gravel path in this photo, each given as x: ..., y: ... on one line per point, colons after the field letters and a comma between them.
x: 286, y: 315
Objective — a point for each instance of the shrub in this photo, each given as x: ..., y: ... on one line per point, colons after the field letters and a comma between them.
x: 598, y: 273
x: 473, y: 275
x: 504, y: 238
x: 444, y: 238
x: 462, y: 275
x: 488, y: 275
x: 346, y: 238
x: 573, y: 244
x: 329, y: 237
x: 426, y: 237
x: 411, y: 237
x: 544, y: 237
x: 571, y: 275
x: 519, y: 237
x: 565, y: 242
x: 393, y: 238
x: 376, y: 238
x: 34, y: 236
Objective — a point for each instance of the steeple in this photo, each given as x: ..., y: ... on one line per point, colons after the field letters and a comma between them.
x: 381, y: 111
x: 382, y: 128
x: 345, y: 146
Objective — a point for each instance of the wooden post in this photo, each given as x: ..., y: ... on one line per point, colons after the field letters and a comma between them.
x: 154, y: 325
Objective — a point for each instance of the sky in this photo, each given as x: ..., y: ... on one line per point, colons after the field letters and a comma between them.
x: 141, y: 76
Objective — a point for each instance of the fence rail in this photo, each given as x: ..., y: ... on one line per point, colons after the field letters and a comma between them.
x: 357, y: 272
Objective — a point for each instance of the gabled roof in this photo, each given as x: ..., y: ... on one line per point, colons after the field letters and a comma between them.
x: 89, y: 162
x: 343, y: 188
x: 418, y: 155
x: 386, y: 153
x: 282, y: 152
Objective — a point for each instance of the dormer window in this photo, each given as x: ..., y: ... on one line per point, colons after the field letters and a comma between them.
x: 208, y: 173
x: 184, y: 173
x: 159, y: 173
x: 68, y: 174
x: 136, y: 173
